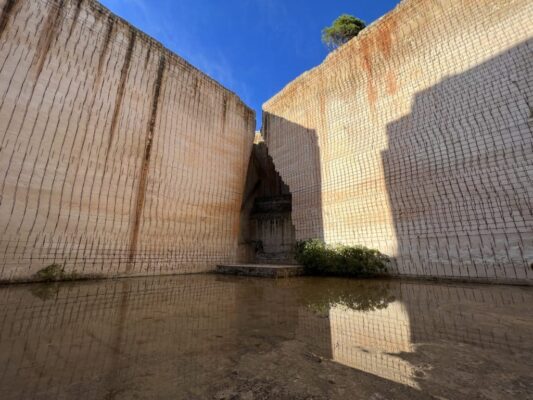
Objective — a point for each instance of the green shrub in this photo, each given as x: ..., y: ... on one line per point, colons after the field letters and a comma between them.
x: 54, y: 273
x: 319, y: 258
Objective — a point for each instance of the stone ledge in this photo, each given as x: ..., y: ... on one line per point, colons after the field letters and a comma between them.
x: 261, y: 270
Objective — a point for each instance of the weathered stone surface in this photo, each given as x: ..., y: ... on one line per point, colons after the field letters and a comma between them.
x: 116, y: 156
x: 416, y: 139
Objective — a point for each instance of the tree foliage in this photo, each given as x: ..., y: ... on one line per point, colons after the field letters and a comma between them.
x: 342, y: 30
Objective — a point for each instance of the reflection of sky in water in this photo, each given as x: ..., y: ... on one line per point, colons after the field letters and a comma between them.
x: 370, y: 340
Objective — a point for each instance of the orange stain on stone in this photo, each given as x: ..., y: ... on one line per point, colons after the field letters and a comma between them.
x: 391, y: 83
x: 384, y: 35
x: 366, y: 46
x: 366, y: 54
x: 372, y: 93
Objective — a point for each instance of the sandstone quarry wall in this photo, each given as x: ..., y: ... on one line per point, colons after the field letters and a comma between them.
x: 116, y: 156
x: 416, y: 138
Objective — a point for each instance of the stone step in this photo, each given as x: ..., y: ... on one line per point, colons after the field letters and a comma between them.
x: 261, y: 270
x: 274, y: 260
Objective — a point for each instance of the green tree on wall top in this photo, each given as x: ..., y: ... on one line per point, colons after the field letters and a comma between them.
x: 342, y: 30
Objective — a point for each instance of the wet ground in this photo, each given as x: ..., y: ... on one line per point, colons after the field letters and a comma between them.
x: 212, y: 337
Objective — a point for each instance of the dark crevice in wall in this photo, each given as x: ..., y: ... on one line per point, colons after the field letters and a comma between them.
x: 51, y: 25
x: 105, y: 48
x: 147, y: 59
x: 75, y: 18
x: 224, y: 113
x: 6, y: 13
x: 196, y: 87
x: 143, y: 180
x: 121, y: 90
x: 267, y: 233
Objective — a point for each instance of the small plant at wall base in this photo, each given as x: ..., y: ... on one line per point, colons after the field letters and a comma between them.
x: 342, y: 30
x: 54, y: 273
x: 319, y: 258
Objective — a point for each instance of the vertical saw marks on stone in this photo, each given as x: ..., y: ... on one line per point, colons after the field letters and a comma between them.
x: 51, y: 25
x: 105, y: 48
x: 145, y: 163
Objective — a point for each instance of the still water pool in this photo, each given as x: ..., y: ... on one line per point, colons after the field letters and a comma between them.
x: 215, y: 337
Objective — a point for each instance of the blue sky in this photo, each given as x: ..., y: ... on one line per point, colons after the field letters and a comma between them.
x: 252, y: 47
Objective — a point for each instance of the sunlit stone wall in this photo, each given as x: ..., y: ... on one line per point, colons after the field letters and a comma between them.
x: 117, y: 157
x: 416, y: 138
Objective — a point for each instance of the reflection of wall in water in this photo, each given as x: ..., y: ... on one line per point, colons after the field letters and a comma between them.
x: 368, y: 341
x: 378, y: 341
x: 186, y: 331
x: 473, y: 315
x: 127, y: 331
x: 315, y: 330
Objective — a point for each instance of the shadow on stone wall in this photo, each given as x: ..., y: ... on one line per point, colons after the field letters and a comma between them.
x: 297, y: 157
x: 456, y: 170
